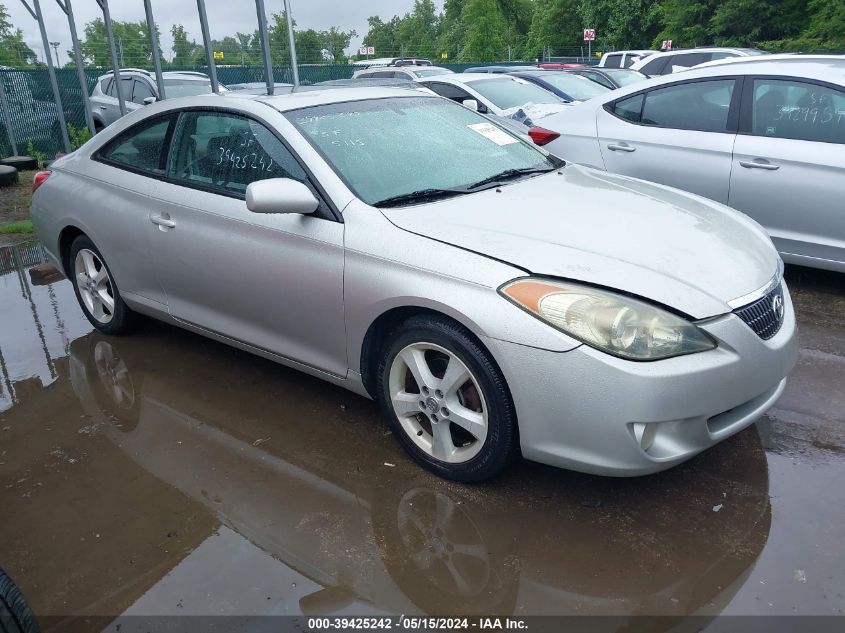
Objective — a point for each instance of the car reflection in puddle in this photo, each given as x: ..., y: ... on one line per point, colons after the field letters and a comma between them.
x: 306, y: 473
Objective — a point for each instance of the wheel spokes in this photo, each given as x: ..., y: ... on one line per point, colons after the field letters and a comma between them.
x: 442, y: 446
x: 406, y: 404
x: 455, y: 377
x: 415, y: 361
x: 470, y: 421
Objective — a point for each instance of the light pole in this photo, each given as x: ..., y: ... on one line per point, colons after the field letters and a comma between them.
x: 55, y: 46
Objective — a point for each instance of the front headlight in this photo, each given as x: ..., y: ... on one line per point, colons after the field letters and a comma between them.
x: 613, y: 323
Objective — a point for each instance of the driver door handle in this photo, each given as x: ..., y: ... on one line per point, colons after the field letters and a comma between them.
x: 162, y: 221
x: 759, y: 164
x: 621, y: 147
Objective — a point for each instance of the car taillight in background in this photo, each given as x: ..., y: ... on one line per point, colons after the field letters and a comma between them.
x: 541, y: 135
x: 40, y: 178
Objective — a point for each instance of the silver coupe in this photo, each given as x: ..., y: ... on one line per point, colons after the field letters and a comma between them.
x: 493, y: 299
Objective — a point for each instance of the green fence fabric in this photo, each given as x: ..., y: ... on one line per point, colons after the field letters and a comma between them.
x: 34, y: 114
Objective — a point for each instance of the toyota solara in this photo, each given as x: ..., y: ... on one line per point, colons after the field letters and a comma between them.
x: 493, y: 299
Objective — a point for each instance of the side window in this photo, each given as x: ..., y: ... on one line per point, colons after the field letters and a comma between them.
x: 125, y: 88
x: 449, y: 91
x: 613, y: 61
x: 701, y: 105
x: 630, y: 60
x: 656, y: 65
x: 143, y: 147
x: 630, y: 108
x: 384, y: 74
x: 365, y: 76
x: 226, y: 152
x: 141, y: 91
x: 687, y: 61
x: 106, y: 87
x: 798, y: 110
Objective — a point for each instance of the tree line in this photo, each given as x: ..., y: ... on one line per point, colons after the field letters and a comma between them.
x: 495, y: 30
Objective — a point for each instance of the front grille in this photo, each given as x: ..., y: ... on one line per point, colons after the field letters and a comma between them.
x: 764, y: 316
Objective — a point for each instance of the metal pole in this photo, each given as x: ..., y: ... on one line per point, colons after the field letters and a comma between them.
x: 104, y: 5
x: 7, y: 117
x: 80, y: 70
x: 206, y: 39
x: 293, y: 63
x: 151, y: 25
x: 265, y: 46
x: 50, y: 70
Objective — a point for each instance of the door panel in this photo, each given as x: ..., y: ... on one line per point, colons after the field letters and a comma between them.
x: 274, y: 281
x: 800, y: 202
x: 663, y: 150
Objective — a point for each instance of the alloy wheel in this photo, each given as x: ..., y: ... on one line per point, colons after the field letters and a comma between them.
x: 94, y: 285
x: 438, y: 402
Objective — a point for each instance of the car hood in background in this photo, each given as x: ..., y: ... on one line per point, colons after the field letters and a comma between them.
x: 529, y: 113
x: 648, y: 240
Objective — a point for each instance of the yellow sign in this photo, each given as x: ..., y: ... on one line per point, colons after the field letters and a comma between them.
x: 598, y: 53
x: 218, y: 54
x: 444, y: 55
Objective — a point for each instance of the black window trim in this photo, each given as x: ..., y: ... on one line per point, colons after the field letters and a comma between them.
x: 745, y: 127
x: 333, y: 212
x: 168, y: 137
x: 731, y: 126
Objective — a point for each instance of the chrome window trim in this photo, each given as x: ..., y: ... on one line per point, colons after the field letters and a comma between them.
x: 761, y: 292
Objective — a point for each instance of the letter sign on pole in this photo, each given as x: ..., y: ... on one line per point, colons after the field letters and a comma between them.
x: 589, y: 35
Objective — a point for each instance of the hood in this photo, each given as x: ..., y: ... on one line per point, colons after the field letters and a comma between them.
x: 531, y: 112
x: 673, y: 248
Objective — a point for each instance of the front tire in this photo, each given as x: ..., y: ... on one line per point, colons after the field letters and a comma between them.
x: 446, y: 401
x: 96, y: 290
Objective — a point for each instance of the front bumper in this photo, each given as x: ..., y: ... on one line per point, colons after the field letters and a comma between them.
x: 578, y: 409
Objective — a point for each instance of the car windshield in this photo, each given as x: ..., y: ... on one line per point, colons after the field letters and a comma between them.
x: 187, y: 87
x: 626, y: 77
x: 579, y: 88
x: 512, y: 92
x: 383, y: 148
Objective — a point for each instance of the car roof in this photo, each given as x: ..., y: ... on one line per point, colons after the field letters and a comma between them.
x: 776, y: 57
x: 465, y: 78
x: 314, y: 96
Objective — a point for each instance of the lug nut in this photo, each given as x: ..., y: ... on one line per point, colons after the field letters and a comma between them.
x: 434, y: 417
x: 445, y: 411
x: 422, y: 405
x: 438, y: 393
x: 425, y: 390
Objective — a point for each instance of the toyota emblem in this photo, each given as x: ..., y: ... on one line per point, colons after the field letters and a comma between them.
x: 777, y: 307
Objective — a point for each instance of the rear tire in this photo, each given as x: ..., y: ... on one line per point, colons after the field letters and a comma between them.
x: 96, y: 290
x: 8, y: 176
x: 15, y: 614
x: 21, y: 163
x: 460, y: 422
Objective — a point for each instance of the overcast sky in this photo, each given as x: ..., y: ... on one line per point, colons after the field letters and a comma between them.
x: 225, y: 17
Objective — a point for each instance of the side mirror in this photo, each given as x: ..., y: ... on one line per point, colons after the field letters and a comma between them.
x: 280, y: 195
x: 472, y: 104
x: 150, y: 100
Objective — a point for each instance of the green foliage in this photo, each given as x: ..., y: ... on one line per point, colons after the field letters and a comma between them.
x: 13, y: 50
x: 485, y: 31
x: 24, y: 226
x: 131, y: 40
x: 39, y: 156
x: 78, y: 137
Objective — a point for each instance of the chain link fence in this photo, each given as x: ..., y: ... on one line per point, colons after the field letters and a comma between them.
x: 33, y: 113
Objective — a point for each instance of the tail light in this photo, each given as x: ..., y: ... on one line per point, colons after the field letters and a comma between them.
x: 40, y: 178
x: 541, y: 136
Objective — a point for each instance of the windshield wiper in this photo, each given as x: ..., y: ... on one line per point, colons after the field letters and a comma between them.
x: 510, y: 174
x: 419, y: 196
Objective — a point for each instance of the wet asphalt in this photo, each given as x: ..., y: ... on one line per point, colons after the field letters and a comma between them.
x: 166, y: 474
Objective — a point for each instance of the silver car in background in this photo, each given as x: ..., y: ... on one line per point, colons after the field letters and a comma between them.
x: 764, y: 137
x: 139, y: 89
x: 493, y: 299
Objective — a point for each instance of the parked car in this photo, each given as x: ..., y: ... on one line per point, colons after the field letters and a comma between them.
x: 33, y: 114
x: 763, y: 137
x: 409, y: 72
x: 491, y: 297
x: 139, y: 89
x: 497, y: 69
x: 259, y: 88
x: 569, y: 87
x: 670, y: 62
x: 611, y: 78
x: 559, y: 66
x: 493, y: 94
x: 623, y: 59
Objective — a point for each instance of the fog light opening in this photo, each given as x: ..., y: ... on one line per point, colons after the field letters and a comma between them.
x: 644, y: 434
